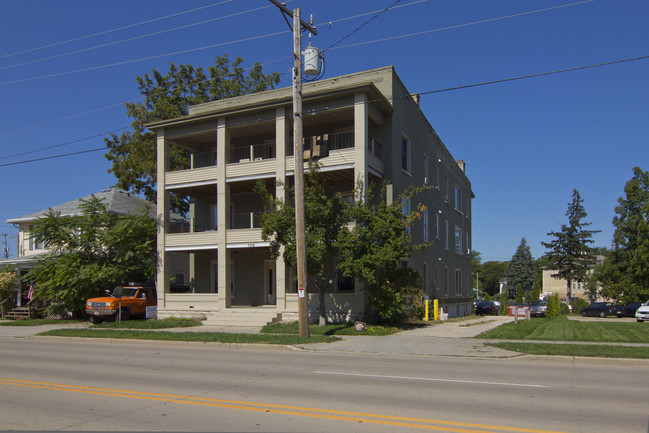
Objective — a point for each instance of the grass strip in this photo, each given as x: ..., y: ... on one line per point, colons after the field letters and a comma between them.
x: 171, y: 322
x: 38, y: 322
x: 585, y: 350
x: 204, y: 337
x: 563, y: 329
x: 330, y: 329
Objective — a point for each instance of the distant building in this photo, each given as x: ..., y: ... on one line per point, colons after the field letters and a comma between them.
x: 559, y: 286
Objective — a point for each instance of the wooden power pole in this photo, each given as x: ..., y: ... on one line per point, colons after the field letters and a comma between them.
x: 300, y: 237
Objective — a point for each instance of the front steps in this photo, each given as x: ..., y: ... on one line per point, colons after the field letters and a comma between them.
x: 230, y: 317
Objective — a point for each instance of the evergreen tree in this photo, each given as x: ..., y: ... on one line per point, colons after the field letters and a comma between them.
x: 570, y: 253
x: 521, y: 270
x: 629, y: 259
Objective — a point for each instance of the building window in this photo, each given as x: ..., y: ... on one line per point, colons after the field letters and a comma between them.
x: 425, y: 216
x: 458, y: 240
x: 426, y: 174
x: 446, y: 241
x: 458, y: 281
x: 405, y: 154
x: 406, y: 212
x: 458, y: 198
x: 437, y: 225
x: 34, y: 245
x: 344, y: 284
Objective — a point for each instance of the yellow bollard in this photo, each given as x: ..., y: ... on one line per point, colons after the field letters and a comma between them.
x: 436, y: 309
x: 426, y: 313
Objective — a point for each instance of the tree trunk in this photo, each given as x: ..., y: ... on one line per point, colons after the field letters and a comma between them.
x: 322, y: 320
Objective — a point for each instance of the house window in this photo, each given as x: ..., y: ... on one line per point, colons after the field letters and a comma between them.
x: 458, y: 240
x: 34, y: 245
x: 405, y: 154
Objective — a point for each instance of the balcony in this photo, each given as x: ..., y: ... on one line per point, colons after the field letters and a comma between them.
x: 256, y: 152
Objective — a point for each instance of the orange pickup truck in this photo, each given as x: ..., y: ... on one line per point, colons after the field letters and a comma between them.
x: 134, y: 301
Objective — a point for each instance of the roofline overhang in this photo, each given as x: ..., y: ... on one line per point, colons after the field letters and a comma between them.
x: 278, y: 98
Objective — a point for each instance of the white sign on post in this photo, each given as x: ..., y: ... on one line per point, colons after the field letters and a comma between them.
x: 300, y: 292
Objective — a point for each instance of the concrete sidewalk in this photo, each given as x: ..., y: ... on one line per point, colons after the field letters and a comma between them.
x: 450, y: 338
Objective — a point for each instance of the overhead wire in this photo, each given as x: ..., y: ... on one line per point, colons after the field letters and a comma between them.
x: 113, y: 30
x: 108, y: 44
x: 324, y: 109
x: 393, y: 7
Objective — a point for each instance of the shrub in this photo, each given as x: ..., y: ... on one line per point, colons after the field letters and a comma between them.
x: 553, y: 308
x: 578, y: 305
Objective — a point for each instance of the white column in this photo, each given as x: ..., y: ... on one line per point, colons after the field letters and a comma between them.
x: 281, y: 137
x: 360, y: 140
x: 162, y: 275
x: 223, y: 204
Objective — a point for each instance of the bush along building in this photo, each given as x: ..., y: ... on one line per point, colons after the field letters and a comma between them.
x: 364, y: 126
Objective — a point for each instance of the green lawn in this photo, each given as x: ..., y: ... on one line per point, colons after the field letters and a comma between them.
x: 562, y: 329
x: 587, y: 350
x: 331, y: 329
x: 204, y: 337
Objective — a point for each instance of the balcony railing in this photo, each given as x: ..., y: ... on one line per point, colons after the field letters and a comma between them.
x: 255, y: 152
x: 250, y: 220
x: 374, y: 147
x: 194, y: 160
x: 325, y: 142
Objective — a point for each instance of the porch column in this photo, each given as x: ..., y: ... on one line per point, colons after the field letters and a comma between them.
x: 360, y: 140
x: 223, y: 204
x: 162, y: 275
x: 281, y: 137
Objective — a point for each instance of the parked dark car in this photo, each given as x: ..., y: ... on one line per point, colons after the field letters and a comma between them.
x: 486, y: 307
x: 537, y: 308
x: 601, y: 309
x: 629, y: 309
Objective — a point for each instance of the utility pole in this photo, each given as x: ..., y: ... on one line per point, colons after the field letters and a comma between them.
x: 300, y: 237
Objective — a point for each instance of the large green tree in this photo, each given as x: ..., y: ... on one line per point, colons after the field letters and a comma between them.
x: 490, y: 274
x: 570, y: 252
x: 90, y: 253
x: 521, y: 270
x: 133, y: 153
x: 375, y: 248
x: 629, y: 260
x: 324, y: 215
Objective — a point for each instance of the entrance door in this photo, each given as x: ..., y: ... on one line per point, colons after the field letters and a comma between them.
x: 269, y: 281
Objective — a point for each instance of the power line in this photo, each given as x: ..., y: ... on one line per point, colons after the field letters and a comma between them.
x: 463, y: 25
x: 52, y: 157
x: 466, y: 86
x: 361, y: 26
x: 133, y: 38
x: 112, y: 30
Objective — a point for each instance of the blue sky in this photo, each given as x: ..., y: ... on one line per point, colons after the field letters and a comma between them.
x: 67, y: 67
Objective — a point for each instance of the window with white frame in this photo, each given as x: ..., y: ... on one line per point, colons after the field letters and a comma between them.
x: 405, y: 154
x: 34, y: 244
x: 458, y: 240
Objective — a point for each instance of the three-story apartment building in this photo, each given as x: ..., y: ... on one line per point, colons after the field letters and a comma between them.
x: 364, y: 126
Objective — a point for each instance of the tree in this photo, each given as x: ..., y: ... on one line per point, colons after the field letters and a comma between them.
x: 375, y: 248
x: 570, y: 253
x: 553, y: 308
x: 90, y: 253
x: 324, y: 217
x: 7, y: 282
x: 630, y: 257
x: 521, y: 270
x: 133, y: 153
x: 490, y: 274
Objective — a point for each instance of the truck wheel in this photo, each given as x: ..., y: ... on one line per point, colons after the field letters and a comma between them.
x: 125, y: 314
x: 95, y: 320
x: 602, y: 314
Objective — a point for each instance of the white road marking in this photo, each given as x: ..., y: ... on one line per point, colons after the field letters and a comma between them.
x: 429, y: 379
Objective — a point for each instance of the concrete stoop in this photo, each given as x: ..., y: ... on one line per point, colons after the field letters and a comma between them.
x: 237, y: 317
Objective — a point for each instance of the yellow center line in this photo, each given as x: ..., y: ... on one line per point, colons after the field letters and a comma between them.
x: 420, y: 423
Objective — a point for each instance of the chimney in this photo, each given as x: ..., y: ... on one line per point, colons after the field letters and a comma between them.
x: 462, y: 165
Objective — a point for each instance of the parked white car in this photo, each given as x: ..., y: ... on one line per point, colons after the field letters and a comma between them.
x: 642, y: 313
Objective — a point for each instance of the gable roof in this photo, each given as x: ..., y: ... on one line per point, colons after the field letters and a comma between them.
x: 117, y: 201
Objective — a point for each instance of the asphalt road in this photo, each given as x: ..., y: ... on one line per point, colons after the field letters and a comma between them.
x: 86, y: 385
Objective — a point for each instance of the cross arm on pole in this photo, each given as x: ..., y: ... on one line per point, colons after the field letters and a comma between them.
x: 287, y: 11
